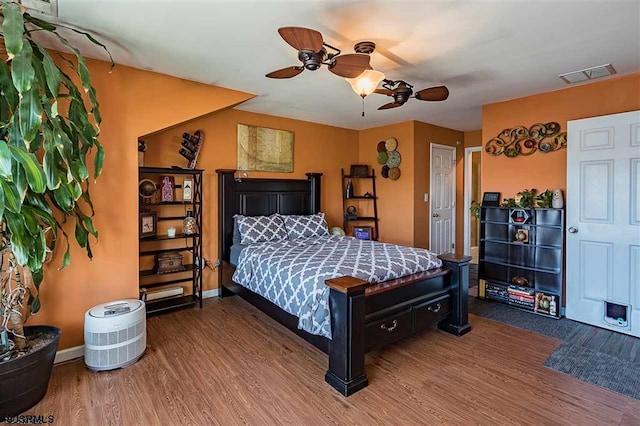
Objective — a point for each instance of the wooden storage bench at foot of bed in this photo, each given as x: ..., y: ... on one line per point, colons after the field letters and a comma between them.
x: 365, y: 316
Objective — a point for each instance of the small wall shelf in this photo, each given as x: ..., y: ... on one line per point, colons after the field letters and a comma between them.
x: 360, y: 185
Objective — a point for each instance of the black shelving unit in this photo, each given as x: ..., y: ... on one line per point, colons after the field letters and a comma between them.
x: 521, y: 253
x: 190, y: 244
x: 361, y: 187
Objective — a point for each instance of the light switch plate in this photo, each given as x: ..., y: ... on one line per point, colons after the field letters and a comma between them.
x: 426, y: 197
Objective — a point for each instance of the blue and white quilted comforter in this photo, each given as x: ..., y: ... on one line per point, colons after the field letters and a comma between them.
x: 291, y: 274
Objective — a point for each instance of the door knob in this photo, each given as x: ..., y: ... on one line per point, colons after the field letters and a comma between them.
x: 573, y: 230
x: 436, y: 215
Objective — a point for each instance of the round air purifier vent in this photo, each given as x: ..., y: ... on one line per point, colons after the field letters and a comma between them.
x: 115, y: 334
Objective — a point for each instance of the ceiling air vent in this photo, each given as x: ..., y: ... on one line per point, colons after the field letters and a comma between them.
x: 48, y: 7
x: 588, y: 74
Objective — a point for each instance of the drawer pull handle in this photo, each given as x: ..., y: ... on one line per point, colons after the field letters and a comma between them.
x: 394, y: 324
x: 436, y: 309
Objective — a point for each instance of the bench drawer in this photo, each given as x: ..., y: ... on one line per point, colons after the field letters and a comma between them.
x: 388, y: 329
x: 433, y: 311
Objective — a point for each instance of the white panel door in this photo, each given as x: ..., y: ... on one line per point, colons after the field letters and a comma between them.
x: 443, y: 198
x: 603, y: 221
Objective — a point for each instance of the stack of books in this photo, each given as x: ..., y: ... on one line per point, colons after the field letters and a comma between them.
x: 523, y: 297
x: 497, y: 292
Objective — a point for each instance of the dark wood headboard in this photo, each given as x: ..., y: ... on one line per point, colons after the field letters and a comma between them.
x: 261, y: 197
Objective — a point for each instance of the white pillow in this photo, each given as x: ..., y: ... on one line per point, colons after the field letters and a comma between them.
x: 314, y: 225
x: 257, y: 229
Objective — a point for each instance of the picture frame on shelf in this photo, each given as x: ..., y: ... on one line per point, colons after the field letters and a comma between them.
x: 148, y: 224
x: 491, y: 199
x: 187, y: 190
x: 363, y: 232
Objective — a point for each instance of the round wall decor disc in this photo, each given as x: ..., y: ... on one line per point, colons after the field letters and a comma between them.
x: 393, y: 158
x: 382, y: 157
x: 391, y: 144
x: 385, y: 171
x: 394, y: 173
x: 381, y: 146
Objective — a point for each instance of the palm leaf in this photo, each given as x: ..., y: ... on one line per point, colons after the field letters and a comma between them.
x: 12, y: 28
x: 22, y: 72
x: 35, y: 175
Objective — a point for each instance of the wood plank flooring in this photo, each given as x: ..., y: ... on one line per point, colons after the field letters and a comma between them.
x: 230, y: 364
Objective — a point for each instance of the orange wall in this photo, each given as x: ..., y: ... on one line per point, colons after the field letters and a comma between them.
x: 395, y: 198
x: 548, y: 171
x: 317, y: 148
x: 424, y: 135
x: 473, y: 138
x: 133, y: 102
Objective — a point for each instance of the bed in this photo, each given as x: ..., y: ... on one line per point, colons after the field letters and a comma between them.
x: 361, y: 315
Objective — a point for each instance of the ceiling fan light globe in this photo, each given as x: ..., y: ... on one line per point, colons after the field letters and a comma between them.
x: 364, y: 84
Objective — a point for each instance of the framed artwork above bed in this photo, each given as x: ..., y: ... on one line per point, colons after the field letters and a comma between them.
x: 264, y: 150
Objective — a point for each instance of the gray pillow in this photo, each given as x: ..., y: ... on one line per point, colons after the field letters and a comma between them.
x: 314, y: 225
x: 257, y: 229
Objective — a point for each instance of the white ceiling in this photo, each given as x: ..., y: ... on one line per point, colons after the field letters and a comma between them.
x: 483, y: 51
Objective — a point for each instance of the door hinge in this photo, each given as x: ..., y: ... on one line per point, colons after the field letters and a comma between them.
x: 453, y: 245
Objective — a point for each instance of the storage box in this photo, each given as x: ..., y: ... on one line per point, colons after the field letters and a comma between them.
x: 169, y: 262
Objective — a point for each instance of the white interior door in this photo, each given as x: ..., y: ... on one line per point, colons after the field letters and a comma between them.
x: 443, y: 199
x: 603, y: 221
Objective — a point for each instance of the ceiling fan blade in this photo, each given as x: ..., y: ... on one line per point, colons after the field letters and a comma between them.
x: 351, y: 65
x: 285, y: 72
x: 390, y: 105
x: 302, y: 38
x: 384, y: 92
x: 439, y: 93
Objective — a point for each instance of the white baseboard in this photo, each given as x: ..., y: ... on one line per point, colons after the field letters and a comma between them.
x: 69, y: 354
x: 78, y: 351
x: 210, y: 293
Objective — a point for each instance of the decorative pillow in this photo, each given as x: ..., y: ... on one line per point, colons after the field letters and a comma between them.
x: 314, y: 225
x: 256, y: 229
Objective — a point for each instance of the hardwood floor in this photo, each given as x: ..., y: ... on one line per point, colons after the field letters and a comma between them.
x: 230, y: 364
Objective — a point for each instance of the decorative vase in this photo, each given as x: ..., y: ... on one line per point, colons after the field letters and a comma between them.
x: 189, y: 226
x: 557, y: 200
x: 349, y: 190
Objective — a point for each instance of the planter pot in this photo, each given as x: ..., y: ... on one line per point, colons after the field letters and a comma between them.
x: 24, y: 380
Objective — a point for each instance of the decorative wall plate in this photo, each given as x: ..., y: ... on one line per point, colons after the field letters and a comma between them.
x: 391, y: 144
x: 394, y: 173
x: 384, y: 172
x: 382, y: 158
x: 381, y: 146
x: 393, y: 158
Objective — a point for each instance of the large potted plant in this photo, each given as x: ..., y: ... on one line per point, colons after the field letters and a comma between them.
x: 49, y: 125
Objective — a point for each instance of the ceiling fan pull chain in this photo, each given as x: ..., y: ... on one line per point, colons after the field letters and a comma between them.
x: 363, y: 106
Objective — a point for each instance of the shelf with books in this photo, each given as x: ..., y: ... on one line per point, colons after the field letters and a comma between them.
x: 521, y: 258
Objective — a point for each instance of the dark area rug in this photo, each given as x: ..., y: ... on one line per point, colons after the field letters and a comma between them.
x: 597, y: 368
x: 595, y: 355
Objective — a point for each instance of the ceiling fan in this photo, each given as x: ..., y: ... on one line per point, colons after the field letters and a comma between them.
x: 312, y: 52
x: 401, y: 91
